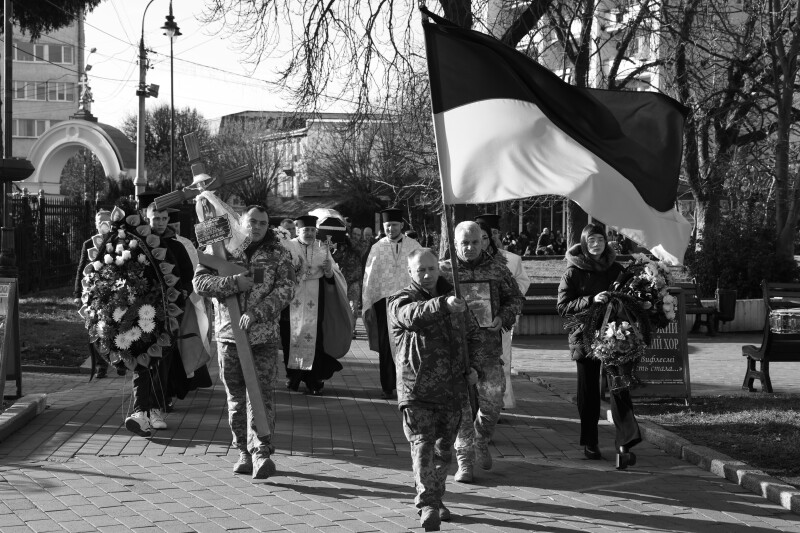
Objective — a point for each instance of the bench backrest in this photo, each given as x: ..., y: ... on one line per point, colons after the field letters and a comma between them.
x: 691, y: 293
x: 780, y: 295
x: 542, y: 290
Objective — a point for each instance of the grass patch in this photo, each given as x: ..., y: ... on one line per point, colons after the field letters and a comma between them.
x: 763, y: 430
x: 51, y: 332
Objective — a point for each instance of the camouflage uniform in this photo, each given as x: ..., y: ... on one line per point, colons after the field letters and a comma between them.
x: 431, y: 386
x: 507, y: 304
x: 265, y: 301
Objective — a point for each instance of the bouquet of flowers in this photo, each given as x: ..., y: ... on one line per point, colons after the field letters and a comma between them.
x: 128, y: 293
x: 617, y: 333
x: 648, y: 282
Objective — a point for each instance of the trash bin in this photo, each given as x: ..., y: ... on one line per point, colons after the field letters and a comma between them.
x: 726, y: 305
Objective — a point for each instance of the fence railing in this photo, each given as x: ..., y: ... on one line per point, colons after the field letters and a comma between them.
x: 48, y: 236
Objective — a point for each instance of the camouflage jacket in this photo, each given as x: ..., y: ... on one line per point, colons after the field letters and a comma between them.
x: 265, y: 300
x: 430, y: 359
x: 506, y: 300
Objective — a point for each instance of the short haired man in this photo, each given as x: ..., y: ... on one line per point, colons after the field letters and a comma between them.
x: 288, y: 225
x: 152, y: 391
x: 263, y: 298
x: 386, y: 272
x: 506, y: 300
x: 429, y: 324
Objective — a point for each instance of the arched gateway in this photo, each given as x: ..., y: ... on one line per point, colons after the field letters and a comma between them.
x: 57, y: 145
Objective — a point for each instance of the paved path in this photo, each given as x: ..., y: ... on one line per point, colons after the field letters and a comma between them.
x: 343, y: 465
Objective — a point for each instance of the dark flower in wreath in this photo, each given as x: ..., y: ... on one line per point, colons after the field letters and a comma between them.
x: 130, y: 303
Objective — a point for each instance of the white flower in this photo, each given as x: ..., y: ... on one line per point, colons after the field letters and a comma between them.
x: 133, y: 244
x: 97, y: 265
x: 134, y: 334
x: 119, y: 248
x: 147, y: 312
x: 670, y: 315
x: 119, y: 313
x: 122, y: 341
x: 101, y: 326
x: 142, y: 259
x: 126, y: 255
x: 119, y: 261
x: 147, y: 325
x: 121, y: 233
x: 108, y: 259
x: 109, y: 247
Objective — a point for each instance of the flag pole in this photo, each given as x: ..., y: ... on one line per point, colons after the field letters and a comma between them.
x: 449, y: 216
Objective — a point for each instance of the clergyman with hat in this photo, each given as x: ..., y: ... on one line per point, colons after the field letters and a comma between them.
x: 316, y: 326
x: 490, y: 223
x: 386, y: 272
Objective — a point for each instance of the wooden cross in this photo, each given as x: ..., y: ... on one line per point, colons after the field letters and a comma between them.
x: 218, y: 261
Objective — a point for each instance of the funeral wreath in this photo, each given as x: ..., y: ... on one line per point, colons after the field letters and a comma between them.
x: 128, y: 293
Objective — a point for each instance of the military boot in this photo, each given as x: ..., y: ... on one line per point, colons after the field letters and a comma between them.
x: 464, y: 458
x: 429, y: 519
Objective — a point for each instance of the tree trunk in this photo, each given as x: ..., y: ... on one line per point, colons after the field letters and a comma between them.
x: 576, y: 220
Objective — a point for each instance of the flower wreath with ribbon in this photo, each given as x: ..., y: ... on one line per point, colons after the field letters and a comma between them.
x: 129, y: 295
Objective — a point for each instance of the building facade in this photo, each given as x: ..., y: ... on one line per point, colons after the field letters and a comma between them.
x: 45, y: 81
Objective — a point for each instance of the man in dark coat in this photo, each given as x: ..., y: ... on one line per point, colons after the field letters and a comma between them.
x: 102, y: 222
x: 428, y: 324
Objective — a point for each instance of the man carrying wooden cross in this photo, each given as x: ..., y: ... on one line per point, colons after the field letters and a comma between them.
x: 262, y: 292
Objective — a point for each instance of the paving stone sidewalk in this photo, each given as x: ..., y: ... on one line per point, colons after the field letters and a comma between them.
x: 343, y: 465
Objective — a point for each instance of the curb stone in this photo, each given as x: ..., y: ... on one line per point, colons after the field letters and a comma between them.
x: 719, y: 464
x: 20, y: 413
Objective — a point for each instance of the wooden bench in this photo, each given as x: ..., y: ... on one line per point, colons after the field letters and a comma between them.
x: 703, y: 315
x: 541, y: 299
x: 778, y: 347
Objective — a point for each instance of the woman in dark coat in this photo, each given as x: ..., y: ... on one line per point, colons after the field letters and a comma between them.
x: 590, y: 273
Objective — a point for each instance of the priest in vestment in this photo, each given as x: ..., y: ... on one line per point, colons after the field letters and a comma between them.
x: 316, y: 326
x: 386, y: 272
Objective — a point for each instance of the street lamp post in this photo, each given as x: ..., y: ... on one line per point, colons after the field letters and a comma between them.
x: 143, y: 91
x: 171, y: 30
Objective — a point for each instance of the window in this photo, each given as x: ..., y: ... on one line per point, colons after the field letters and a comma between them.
x: 28, y: 127
x: 61, y: 91
x: 54, y: 53
x: 30, y: 90
x: 23, y: 51
x: 60, y: 54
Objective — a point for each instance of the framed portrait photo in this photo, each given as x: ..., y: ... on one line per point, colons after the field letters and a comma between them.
x: 478, y: 295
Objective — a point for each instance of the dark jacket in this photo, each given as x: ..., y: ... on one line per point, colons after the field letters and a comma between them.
x: 430, y: 358
x: 82, y: 262
x: 583, y: 280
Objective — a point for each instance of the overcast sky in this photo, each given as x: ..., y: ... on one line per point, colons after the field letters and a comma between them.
x: 209, y: 73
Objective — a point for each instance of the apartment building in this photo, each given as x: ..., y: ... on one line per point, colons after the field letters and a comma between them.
x: 45, y: 82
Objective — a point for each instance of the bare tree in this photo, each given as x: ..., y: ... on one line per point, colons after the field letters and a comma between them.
x: 242, y: 143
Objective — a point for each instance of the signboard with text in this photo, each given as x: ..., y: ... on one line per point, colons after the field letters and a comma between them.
x: 212, y: 230
x: 9, y: 335
x: 664, y: 369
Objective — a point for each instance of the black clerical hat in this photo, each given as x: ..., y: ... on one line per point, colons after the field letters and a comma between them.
x: 490, y: 219
x: 392, y: 215
x: 304, y: 221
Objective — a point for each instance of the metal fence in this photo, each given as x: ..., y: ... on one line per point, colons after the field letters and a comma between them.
x: 48, y: 237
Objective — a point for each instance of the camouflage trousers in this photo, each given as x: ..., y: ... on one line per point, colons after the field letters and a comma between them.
x: 491, y: 386
x: 240, y: 413
x: 430, y: 432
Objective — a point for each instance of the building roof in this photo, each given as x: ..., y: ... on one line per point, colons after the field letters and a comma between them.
x: 301, y: 206
x: 127, y: 149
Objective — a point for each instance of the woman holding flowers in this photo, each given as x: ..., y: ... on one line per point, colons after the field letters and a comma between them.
x: 590, y: 273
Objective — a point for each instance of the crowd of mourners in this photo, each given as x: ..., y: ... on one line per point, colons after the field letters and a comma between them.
x: 293, y: 299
